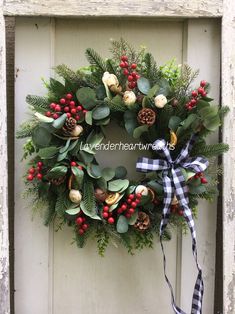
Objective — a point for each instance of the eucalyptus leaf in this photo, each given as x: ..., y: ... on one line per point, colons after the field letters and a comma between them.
x: 58, y: 123
x: 140, y: 130
x: 86, y: 157
x: 62, y: 156
x: 120, y: 172
x: 48, y: 152
x: 143, y: 85
x: 108, y: 173
x: 63, y: 149
x: 188, y: 121
x: 101, y: 112
x: 73, y: 211
x: 94, y: 171
x: 153, y: 91
x: 79, y: 174
x: 57, y: 172
x: 133, y: 219
x: 41, y: 137
x: 88, y: 117
x: 157, y: 187
x: 174, y: 122
x: 122, y: 224
x: 102, y: 183
x: 117, y: 185
x: 87, y: 97
x: 92, y: 214
x: 43, y: 118
x: 95, y: 138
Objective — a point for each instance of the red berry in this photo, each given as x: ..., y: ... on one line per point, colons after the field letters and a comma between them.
x: 105, y: 208
x: 32, y: 170
x: 129, y: 200
x: 79, y: 108
x: 119, y: 211
x: 180, y: 212
x: 200, y: 90
x: 130, y: 78
x: 111, y: 220
x: 204, y: 94
x: 105, y: 214
x: 124, y: 207
x: 125, y: 72
x: 122, y: 64
x: 138, y: 195
x: 52, y: 105
x: 66, y: 109
x: 40, y: 164
x: 128, y: 215
x: 69, y: 96
x: 73, y: 111
x: 48, y: 113
x: 84, y: 111
x: 204, y: 181
x: 77, y: 117
x: 79, y: 220
x: 193, y: 102
x: 203, y: 83
x: 126, y: 65
x: 173, y: 208
x: 134, y: 66
x: 190, y: 107
x: 73, y: 164
x: 194, y: 93
x: 81, y: 231
x: 124, y: 58
x: 133, y: 204
x: 131, y: 196
x: 39, y: 176
x: 196, y: 176
x: 72, y: 103
x: 137, y: 76
x: 57, y: 108
x: 131, y: 211
x: 137, y: 201
x: 30, y: 177
x: 63, y: 101
x: 133, y: 84
x: 80, y: 167
x: 68, y: 115
x: 85, y: 227
x: 134, y: 74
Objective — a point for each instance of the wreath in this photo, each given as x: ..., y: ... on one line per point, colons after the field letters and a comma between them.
x: 154, y: 104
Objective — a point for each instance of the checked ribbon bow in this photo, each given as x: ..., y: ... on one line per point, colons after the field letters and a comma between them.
x: 174, y: 184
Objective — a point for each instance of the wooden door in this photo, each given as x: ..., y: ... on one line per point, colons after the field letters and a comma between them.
x: 51, y: 275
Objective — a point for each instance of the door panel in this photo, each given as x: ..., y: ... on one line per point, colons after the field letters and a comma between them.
x: 53, y: 276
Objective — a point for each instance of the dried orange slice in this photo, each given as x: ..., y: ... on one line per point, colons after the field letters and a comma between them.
x: 112, y: 198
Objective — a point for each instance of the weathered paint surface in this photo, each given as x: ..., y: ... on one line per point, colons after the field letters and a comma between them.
x: 228, y: 98
x: 4, y: 248
x: 143, y: 8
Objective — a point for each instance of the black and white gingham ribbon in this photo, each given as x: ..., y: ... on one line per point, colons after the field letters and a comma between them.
x: 174, y: 183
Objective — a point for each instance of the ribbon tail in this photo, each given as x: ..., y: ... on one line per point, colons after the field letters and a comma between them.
x: 168, y: 195
x: 181, y: 193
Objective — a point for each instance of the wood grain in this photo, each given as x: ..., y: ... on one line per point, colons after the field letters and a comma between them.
x: 4, y: 241
x: 228, y: 98
x: 98, y: 8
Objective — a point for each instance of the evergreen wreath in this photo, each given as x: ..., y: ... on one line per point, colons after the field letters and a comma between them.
x: 150, y: 102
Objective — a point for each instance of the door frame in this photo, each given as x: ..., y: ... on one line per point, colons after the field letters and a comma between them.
x: 224, y: 9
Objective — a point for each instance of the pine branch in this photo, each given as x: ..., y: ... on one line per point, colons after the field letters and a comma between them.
x: 223, y: 112
x: 185, y: 79
x: 102, y: 238
x: 152, y: 71
x: 67, y: 74
x: 26, y: 129
x: 127, y: 242
x: 39, y: 104
x: 210, y: 150
x: 115, y: 106
x: 50, y: 211
x: 88, y: 194
x: 143, y: 240
x: 111, y: 68
x: 95, y: 60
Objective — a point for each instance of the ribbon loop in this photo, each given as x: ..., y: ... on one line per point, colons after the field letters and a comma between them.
x: 174, y: 183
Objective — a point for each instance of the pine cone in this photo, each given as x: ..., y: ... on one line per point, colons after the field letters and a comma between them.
x: 57, y: 181
x: 146, y: 116
x: 142, y: 222
x: 69, y: 125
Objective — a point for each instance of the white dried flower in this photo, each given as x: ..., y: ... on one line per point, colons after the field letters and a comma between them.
x: 160, y: 101
x: 129, y: 98
x: 75, y: 196
x: 110, y: 79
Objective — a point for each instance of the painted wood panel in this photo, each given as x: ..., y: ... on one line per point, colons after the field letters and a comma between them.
x: 143, y: 8
x: 203, y: 52
x: 66, y: 279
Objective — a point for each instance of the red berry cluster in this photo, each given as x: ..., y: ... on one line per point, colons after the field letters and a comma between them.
x: 74, y: 164
x: 200, y: 175
x: 196, y: 95
x: 81, y: 223
x: 176, y: 209
x: 68, y: 106
x: 108, y: 215
x: 35, y: 172
x: 132, y: 76
x: 128, y: 207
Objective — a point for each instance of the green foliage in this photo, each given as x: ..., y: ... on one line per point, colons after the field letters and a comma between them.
x: 102, y: 238
x: 116, y: 104
x: 151, y: 69
x: 39, y: 104
x: 210, y: 150
x: 69, y: 75
x: 143, y: 240
x: 26, y: 129
x: 184, y: 80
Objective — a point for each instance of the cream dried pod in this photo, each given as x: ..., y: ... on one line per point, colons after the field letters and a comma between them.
x: 160, y: 101
x: 75, y: 196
